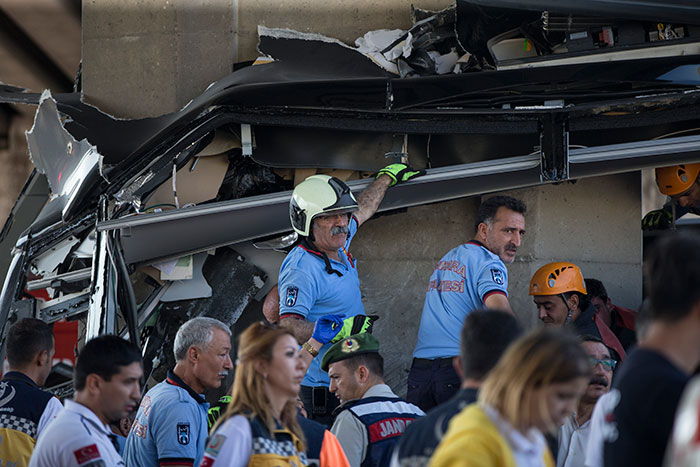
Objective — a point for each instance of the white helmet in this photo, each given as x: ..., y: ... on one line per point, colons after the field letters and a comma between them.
x: 316, y: 196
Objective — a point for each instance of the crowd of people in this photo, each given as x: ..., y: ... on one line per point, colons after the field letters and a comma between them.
x: 596, y: 385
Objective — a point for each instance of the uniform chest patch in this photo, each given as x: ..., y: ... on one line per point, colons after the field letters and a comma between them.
x: 497, y: 276
x: 292, y: 293
x: 183, y: 433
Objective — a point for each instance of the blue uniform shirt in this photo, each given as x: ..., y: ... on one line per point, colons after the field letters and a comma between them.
x: 171, y: 423
x: 309, y: 291
x: 459, y: 284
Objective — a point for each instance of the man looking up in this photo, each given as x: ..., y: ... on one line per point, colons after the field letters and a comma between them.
x: 574, y: 434
x: 371, y: 418
x: 106, y: 381
x: 170, y: 427
x: 319, y: 275
x: 485, y: 336
x: 467, y: 278
x: 561, y: 299
x: 26, y: 409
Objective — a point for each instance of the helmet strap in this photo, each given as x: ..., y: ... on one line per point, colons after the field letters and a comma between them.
x: 568, y: 308
x: 329, y: 267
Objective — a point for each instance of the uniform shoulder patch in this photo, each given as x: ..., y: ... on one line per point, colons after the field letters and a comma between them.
x: 291, y: 296
x: 87, y: 453
x: 497, y: 276
x: 215, y: 444
x: 183, y: 433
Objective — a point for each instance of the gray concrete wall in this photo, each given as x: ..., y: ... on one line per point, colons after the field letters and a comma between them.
x: 144, y: 58
x: 593, y: 223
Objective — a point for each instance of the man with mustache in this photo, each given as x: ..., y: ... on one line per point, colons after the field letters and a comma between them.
x: 467, y: 278
x: 319, y: 275
x: 106, y: 379
x: 574, y: 434
x: 170, y: 427
x: 560, y: 296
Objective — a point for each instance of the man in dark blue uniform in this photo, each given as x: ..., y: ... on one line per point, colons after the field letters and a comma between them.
x: 371, y: 418
x: 25, y: 409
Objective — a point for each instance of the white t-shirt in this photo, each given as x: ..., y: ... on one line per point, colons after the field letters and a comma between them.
x: 231, y: 445
x: 75, y: 438
x: 528, y: 450
x: 573, y: 440
x: 594, y: 450
x: 51, y: 411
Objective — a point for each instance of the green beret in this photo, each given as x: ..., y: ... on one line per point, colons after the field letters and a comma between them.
x: 357, y: 344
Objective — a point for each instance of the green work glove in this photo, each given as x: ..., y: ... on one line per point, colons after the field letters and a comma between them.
x: 355, y: 325
x: 657, y: 219
x: 400, y: 173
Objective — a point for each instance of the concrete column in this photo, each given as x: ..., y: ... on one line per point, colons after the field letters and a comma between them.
x: 593, y: 223
x: 144, y: 58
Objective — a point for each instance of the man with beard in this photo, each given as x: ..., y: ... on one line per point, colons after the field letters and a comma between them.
x: 469, y: 277
x: 574, y: 434
x: 319, y: 275
x: 560, y: 296
x: 170, y: 427
x: 106, y: 381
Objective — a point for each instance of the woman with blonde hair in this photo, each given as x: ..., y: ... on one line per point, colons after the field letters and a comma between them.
x: 533, y: 388
x: 259, y: 427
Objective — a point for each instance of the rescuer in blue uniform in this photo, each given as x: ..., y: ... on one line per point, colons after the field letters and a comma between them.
x: 319, y: 275
x: 467, y: 278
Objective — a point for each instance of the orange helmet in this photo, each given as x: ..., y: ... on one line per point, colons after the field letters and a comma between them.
x: 676, y: 179
x: 557, y: 278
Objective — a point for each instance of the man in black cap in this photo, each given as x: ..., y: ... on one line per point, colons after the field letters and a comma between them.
x: 371, y: 418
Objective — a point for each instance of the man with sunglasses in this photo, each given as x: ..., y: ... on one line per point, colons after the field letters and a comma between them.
x: 319, y: 275
x: 682, y: 185
x: 574, y: 434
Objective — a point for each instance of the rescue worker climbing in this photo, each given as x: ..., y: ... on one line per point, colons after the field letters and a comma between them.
x: 682, y: 185
x: 319, y: 275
